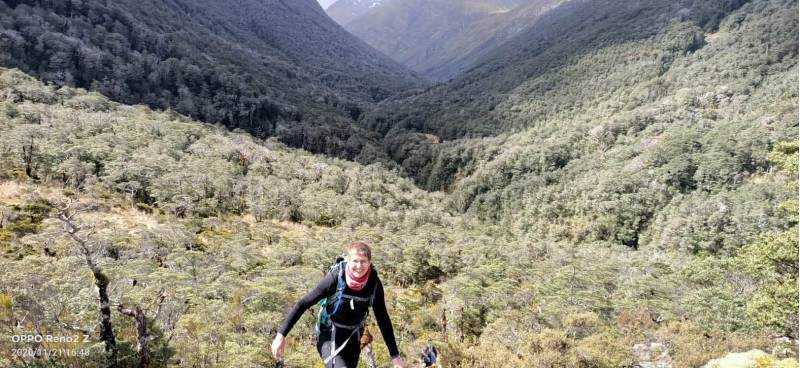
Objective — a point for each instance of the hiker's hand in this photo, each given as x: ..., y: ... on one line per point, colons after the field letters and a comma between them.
x: 277, y: 346
x: 398, y: 363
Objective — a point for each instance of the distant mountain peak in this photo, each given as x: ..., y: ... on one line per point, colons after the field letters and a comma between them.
x: 344, y: 11
x: 440, y: 38
x: 368, y: 3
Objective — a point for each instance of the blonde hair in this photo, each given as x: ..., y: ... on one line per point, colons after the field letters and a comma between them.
x: 361, y: 248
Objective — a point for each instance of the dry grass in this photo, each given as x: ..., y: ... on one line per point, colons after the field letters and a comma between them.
x: 11, y: 192
x: 131, y: 217
x: 292, y: 230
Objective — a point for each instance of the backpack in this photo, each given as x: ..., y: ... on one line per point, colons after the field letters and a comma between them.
x: 337, y: 298
x: 429, y: 355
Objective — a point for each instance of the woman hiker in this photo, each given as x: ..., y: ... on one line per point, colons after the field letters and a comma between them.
x: 346, y: 292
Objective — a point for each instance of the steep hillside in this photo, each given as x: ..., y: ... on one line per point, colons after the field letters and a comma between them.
x: 440, y: 38
x: 662, y: 107
x: 618, y: 183
x: 221, y: 232
x: 269, y: 67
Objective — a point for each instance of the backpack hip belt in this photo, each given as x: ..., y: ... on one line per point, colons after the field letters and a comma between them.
x: 356, y: 330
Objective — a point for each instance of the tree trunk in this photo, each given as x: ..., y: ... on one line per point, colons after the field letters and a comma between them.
x: 106, y: 329
x: 461, y: 326
x: 444, y: 324
x: 142, y: 335
x: 101, y: 281
x: 27, y: 157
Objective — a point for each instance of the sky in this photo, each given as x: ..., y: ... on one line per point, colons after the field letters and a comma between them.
x: 325, y: 3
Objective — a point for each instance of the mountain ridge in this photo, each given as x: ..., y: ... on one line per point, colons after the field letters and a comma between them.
x: 441, y: 38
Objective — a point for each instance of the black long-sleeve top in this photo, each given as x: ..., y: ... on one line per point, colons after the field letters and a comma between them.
x: 347, y: 314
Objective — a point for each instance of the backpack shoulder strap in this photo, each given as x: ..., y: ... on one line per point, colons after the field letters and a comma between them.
x: 372, y: 296
x: 374, y: 287
x: 340, y: 285
x: 323, y: 317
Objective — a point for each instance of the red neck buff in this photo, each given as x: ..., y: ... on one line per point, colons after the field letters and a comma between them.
x: 356, y: 283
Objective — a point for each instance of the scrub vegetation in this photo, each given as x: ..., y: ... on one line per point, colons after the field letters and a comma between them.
x: 616, y: 191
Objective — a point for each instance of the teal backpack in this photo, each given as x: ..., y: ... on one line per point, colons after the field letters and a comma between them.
x: 338, y: 298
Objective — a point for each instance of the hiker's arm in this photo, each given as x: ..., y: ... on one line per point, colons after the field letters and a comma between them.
x: 325, y: 287
x: 384, y: 322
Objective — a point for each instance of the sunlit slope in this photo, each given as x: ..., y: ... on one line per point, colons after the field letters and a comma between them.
x: 235, y: 229
x: 613, y: 139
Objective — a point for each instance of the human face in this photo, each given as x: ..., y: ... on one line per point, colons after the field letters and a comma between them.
x: 358, y: 263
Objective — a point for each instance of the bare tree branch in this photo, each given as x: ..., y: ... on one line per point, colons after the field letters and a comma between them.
x: 66, y: 216
x: 162, y: 294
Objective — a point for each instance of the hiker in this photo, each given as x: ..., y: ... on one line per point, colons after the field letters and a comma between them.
x: 428, y: 355
x: 345, y: 295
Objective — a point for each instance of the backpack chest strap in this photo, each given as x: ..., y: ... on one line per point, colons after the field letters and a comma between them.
x: 356, y: 298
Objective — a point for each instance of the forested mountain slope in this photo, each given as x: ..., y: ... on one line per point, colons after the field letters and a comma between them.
x: 221, y: 232
x: 619, y: 46
x: 270, y: 67
x: 619, y: 182
x: 643, y: 109
x: 441, y: 38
